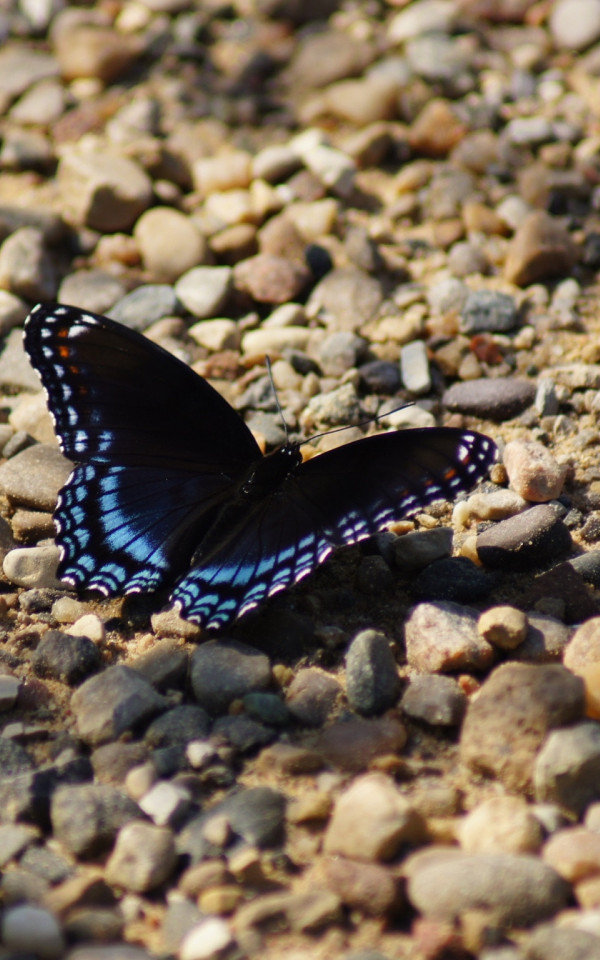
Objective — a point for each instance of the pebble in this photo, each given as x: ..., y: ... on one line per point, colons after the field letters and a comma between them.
x: 550, y: 940
x: 206, y: 940
x: 66, y: 658
x: 241, y: 733
x: 371, y: 820
x: 224, y: 671
x: 312, y: 696
x: 274, y: 340
x: 32, y: 930
x: 145, y: 305
x: 532, y: 471
x: 14, y: 840
x: 102, y: 189
x: 419, y: 548
x: 87, y: 817
x: 170, y: 244
x: 368, y: 887
x: 519, y: 890
x: 497, y: 399
x: 439, y: 701
x: 164, y: 664
x: 456, y: 579
x: 345, y: 299
x: 112, y: 703
x: 575, y: 24
x: 33, y: 567
x: 583, y: 648
x: 523, y: 541
x: 501, y: 825
x: 443, y: 636
x: 33, y: 477
x: 354, y: 744
x: 203, y: 291
x: 538, y: 699
x: 372, y: 682
x: 179, y: 725
x: 143, y: 857
x: 503, y: 626
x: 9, y: 691
x: 26, y: 268
x: 489, y: 311
x: 85, y: 47
x: 567, y: 766
x: 414, y: 368
x: 380, y: 376
x: 166, y: 803
x: 339, y: 352
x: 271, y: 279
x: 541, y: 249
x: 574, y: 852
x: 216, y: 335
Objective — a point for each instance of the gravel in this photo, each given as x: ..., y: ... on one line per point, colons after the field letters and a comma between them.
x: 398, y: 204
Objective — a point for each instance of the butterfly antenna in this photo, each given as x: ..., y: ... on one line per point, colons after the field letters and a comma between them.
x: 361, y: 423
x: 277, y: 403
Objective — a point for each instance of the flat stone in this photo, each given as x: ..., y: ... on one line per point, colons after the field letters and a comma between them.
x: 223, y: 671
x: 530, y: 538
x: 443, y: 636
x: 113, y: 703
x: 497, y: 399
x: 33, y: 477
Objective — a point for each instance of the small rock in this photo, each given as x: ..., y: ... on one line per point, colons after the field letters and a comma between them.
x: 574, y: 852
x: 501, y: 825
x: 102, y: 189
x: 538, y: 699
x: 503, y: 626
x: 530, y: 538
x: 371, y: 820
x: 26, y: 268
x: 497, y: 399
x: 87, y: 817
x: 33, y: 567
x: 113, y: 703
x: 414, y: 367
x: 271, y: 279
x: 372, y: 682
x: 204, y: 290
x: 32, y: 930
x: 145, y: 305
x: 532, y: 471
x: 567, y: 769
x: 520, y: 890
x: 541, y: 249
x: 488, y: 310
x: 33, y: 477
x: 178, y: 726
x: 64, y: 657
x: 206, y: 940
x: 345, y: 299
x: 143, y: 858
x: 443, y: 636
x: 354, y: 744
x: 170, y: 243
x: 418, y: 549
x: 575, y: 24
x: 311, y: 696
x: 439, y: 701
x: 223, y: 671
x: 368, y: 887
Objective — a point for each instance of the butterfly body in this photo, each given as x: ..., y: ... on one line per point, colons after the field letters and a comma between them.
x: 170, y: 489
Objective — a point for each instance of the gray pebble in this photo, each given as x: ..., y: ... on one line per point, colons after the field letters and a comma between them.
x: 421, y: 547
x: 311, y: 696
x: 456, y: 579
x: 164, y: 665
x: 255, y: 815
x: 9, y: 691
x: 16, y: 372
x: 113, y: 703
x: 496, y: 399
x: 223, y: 671
x: 439, y: 701
x: 204, y: 290
x: 64, y: 657
x: 143, y: 858
x: 47, y: 863
x: 145, y: 305
x: 339, y: 352
x: 267, y: 708
x: 489, y: 311
x: 567, y: 769
x: 95, y: 290
x: 519, y: 889
x: 29, y: 930
x: 116, y: 951
x: 531, y: 537
x: 27, y: 795
x: 33, y: 477
x: 242, y: 733
x: 26, y: 267
x: 345, y: 299
x: 87, y: 817
x: 372, y: 682
x: 339, y: 408
x: 549, y: 941
x: 14, y: 839
x: 380, y: 376
x: 179, y: 725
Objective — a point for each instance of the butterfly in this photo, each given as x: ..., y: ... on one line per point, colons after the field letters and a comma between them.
x: 170, y: 488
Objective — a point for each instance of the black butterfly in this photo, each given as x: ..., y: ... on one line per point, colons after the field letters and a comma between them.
x: 170, y: 486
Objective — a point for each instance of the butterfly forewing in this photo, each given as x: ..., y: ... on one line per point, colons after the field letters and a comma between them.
x: 170, y: 488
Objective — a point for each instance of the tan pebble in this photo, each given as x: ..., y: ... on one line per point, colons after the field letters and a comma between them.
x: 169, y: 243
x: 226, y: 171
x: 587, y: 893
x: 504, y: 626
x: 354, y: 744
x: 540, y: 249
x: 583, y: 649
x: 590, y: 674
x: 202, y: 876
x: 500, y: 825
x: 315, y: 805
x: 288, y: 758
x: 89, y: 626
x: 220, y: 900
x: 93, y: 51
x: 368, y: 887
x: 574, y: 853
x: 437, y: 129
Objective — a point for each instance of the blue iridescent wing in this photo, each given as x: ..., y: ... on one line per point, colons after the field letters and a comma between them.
x: 338, y: 498
x: 158, y: 450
